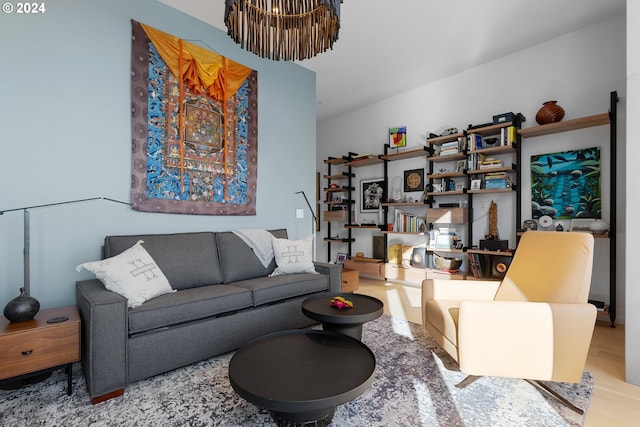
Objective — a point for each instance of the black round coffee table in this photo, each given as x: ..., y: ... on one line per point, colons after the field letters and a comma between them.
x: 302, y: 375
x: 347, y: 321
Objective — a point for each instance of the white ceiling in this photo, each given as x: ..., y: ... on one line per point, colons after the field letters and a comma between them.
x: 391, y: 46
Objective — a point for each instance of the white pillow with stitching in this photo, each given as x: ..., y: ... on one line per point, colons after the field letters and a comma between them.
x: 133, y: 274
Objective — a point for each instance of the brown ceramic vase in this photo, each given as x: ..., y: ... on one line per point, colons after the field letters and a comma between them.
x: 550, y: 112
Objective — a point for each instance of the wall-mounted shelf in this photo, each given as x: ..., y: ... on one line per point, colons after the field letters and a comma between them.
x: 485, y: 252
x: 420, y: 152
x: 567, y: 125
x: 479, y: 171
x: 364, y: 162
x: 449, y: 158
x: 491, y: 190
x: 417, y: 204
x: 446, y: 175
x: 439, y: 140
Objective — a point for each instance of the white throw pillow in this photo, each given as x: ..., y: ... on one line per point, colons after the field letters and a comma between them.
x: 293, y: 256
x: 133, y: 274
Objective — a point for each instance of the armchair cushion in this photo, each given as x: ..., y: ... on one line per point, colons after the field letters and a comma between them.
x: 496, y: 338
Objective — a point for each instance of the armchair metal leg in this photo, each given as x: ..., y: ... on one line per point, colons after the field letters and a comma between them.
x: 553, y: 393
x: 468, y: 380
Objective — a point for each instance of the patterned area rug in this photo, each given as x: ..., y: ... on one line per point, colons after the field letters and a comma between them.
x: 414, y: 386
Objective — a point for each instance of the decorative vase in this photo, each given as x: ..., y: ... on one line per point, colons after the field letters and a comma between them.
x: 21, y: 308
x: 550, y: 112
x: 599, y: 226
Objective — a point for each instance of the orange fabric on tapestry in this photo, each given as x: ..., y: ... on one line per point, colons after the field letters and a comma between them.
x: 220, y: 76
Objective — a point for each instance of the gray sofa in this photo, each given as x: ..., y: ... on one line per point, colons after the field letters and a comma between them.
x: 224, y: 299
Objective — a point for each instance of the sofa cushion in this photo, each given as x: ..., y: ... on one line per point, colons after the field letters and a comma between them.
x: 187, y: 259
x: 293, y: 256
x: 133, y: 274
x: 188, y: 305
x: 237, y: 259
x: 275, y: 288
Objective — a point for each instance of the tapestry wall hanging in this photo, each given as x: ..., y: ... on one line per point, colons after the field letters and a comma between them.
x: 566, y: 184
x: 194, y: 128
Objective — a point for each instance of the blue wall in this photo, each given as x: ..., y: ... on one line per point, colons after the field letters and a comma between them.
x: 65, y: 134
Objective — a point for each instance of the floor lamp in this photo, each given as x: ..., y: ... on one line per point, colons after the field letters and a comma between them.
x: 314, y: 222
x: 25, y: 307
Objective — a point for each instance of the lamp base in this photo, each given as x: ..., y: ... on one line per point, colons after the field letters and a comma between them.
x: 21, y: 308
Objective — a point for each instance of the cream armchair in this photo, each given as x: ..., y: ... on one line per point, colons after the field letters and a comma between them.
x: 535, y: 324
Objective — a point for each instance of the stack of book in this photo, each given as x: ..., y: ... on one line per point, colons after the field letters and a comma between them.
x: 449, y: 148
x: 363, y: 157
x: 496, y: 180
x: 490, y: 163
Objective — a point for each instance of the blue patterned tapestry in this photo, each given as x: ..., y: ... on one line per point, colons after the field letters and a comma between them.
x: 192, y: 153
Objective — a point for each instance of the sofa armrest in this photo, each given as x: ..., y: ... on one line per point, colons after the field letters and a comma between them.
x: 104, y: 319
x: 334, y: 271
x: 519, y: 339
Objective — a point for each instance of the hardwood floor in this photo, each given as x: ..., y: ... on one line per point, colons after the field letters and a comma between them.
x: 614, y: 402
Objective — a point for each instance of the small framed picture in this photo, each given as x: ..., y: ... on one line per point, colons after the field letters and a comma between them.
x: 340, y: 258
x: 459, y: 187
x: 414, y: 180
x: 372, y: 193
x: 476, y: 184
x: 398, y: 137
x: 461, y: 165
x: 581, y: 224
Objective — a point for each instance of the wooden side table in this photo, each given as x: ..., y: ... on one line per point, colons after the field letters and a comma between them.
x: 350, y: 280
x: 35, y: 345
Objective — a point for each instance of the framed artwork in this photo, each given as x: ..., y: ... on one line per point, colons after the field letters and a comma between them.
x: 579, y: 224
x: 414, y: 180
x: 372, y: 194
x: 341, y: 257
x: 566, y: 185
x: 398, y: 137
x: 476, y: 184
x: 461, y: 165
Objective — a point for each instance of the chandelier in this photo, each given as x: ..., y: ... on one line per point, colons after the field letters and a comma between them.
x: 283, y: 29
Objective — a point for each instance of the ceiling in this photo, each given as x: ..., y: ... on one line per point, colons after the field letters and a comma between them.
x: 387, y: 47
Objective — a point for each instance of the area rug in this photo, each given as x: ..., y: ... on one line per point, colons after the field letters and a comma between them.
x: 414, y: 386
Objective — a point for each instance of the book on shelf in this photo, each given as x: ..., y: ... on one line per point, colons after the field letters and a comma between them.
x: 475, y: 141
x: 408, y: 223
x: 508, y: 135
x: 363, y: 157
x: 490, y: 163
x: 449, y: 152
x: 495, y: 175
x: 478, y: 265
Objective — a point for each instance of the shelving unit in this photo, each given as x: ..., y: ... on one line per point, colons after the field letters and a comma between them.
x: 467, y: 152
x: 610, y: 119
x: 340, y: 182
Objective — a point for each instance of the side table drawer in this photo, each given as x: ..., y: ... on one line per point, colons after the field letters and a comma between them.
x: 350, y: 280
x: 32, y: 350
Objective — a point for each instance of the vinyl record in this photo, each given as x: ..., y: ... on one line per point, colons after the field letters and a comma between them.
x: 499, y: 266
x: 545, y: 221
